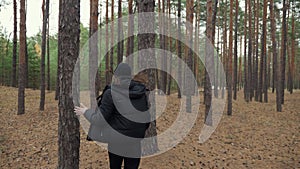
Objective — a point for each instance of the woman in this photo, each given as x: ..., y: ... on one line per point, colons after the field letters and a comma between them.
x: 125, y: 108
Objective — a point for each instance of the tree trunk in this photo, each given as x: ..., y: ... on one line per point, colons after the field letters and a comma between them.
x: 283, y: 50
x: 107, y: 67
x: 22, y: 52
x: 112, y: 30
x: 48, y: 54
x: 169, y: 80
x: 147, y: 41
x: 257, y: 11
x: 293, y: 53
x: 274, y: 51
x: 229, y: 106
x: 249, y: 84
x: 209, y: 56
x: 235, y: 49
x: 179, y: 49
x: 15, y: 45
x: 163, y: 37
x: 68, y: 124
x: 26, y: 52
x: 264, y: 54
x: 246, y: 90
x: 130, y: 40
x: 225, y: 50
x: 214, y: 18
x: 93, y: 52
x: 189, y: 51
x: 45, y: 9
x: 120, y: 33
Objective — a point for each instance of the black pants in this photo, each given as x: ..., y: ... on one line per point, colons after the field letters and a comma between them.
x: 115, y: 162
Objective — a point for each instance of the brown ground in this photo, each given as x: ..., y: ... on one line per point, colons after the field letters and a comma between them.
x: 256, y: 136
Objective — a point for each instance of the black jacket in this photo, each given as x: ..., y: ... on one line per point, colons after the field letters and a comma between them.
x: 129, y: 117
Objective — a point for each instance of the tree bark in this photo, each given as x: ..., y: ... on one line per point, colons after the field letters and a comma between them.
x: 163, y: 37
x: 120, y: 33
x: 68, y: 124
x: 249, y: 84
x: 274, y: 51
x: 209, y: 56
x: 107, y: 65
x: 293, y: 53
x: 235, y: 50
x: 246, y: 90
x: 112, y: 30
x: 264, y: 52
x: 45, y: 9
x: 22, y: 52
x: 229, y: 106
x: 93, y: 52
x: 179, y: 49
x: 15, y: 45
x: 189, y: 51
x: 48, y: 54
x: 147, y: 41
x: 283, y: 50
x: 169, y: 80
x: 256, y: 84
x: 130, y: 40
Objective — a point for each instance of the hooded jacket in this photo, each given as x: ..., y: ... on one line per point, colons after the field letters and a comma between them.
x: 124, y: 107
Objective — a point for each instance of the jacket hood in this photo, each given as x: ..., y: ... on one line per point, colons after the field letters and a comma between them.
x: 136, y: 89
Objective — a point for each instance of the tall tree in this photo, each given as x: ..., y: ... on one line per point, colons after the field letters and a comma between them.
x: 235, y: 49
x: 257, y: 11
x: 263, y: 65
x: 162, y: 37
x: 283, y: 50
x: 179, y: 48
x: 246, y: 89
x: 274, y: 51
x: 26, y: 52
x: 112, y: 30
x: 189, y: 51
x: 120, y: 33
x: 107, y: 66
x: 130, y: 40
x: 48, y: 54
x: 209, y: 56
x: 169, y: 80
x: 229, y: 106
x: 45, y: 9
x: 93, y: 51
x: 68, y: 123
x: 225, y: 48
x: 147, y: 41
x: 14, y: 63
x: 214, y: 19
x: 22, y: 52
x: 293, y: 52
x: 249, y: 81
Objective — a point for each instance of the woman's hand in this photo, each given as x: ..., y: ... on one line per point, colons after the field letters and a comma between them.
x: 80, y: 110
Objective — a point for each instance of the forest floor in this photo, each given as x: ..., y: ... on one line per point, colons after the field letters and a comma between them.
x: 255, y: 136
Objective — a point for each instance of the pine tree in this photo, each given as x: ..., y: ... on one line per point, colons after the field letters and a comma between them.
x: 14, y: 63
x: 22, y: 52
x: 45, y: 8
x: 147, y: 41
x: 283, y: 50
x: 93, y: 52
x: 120, y: 33
x: 68, y: 123
x: 229, y: 106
